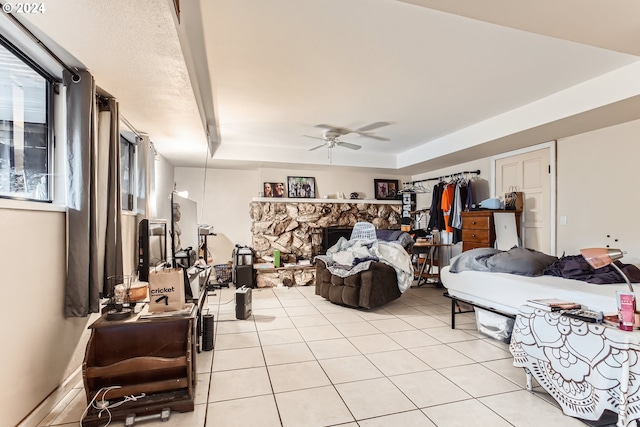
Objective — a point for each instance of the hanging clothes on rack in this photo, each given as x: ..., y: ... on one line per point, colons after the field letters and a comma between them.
x: 469, y: 199
x: 460, y: 196
x: 436, y: 219
x: 447, y: 201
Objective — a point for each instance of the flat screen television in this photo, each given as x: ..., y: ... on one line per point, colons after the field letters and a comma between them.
x: 184, y: 231
x: 152, y: 246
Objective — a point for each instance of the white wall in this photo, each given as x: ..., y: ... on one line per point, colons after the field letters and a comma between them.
x: 39, y: 342
x: 223, y: 203
x: 330, y: 182
x: 228, y: 194
x: 598, y: 192
x: 595, y: 190
x: 163, y: 186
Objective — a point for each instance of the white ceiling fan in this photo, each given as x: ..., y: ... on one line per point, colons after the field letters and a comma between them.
x: 331, y: 140
x: 331, y: 136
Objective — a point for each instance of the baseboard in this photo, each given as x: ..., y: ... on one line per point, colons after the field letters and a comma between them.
x: 51, y: 401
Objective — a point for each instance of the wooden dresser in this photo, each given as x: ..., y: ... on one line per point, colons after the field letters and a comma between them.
x: 478, y: 229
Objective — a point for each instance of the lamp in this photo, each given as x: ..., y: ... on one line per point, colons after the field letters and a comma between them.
x: 601, y: 257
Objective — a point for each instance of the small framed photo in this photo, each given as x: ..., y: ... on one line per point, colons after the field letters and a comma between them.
x: 386, y: 189
x: 302, y: 187
x: 274, y: 189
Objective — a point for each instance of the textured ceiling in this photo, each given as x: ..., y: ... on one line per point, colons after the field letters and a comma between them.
x: 455, y: 80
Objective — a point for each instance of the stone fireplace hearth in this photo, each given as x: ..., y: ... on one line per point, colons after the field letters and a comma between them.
x: 294, y: 226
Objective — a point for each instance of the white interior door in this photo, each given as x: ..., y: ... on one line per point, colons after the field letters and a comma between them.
x: 530, y: 172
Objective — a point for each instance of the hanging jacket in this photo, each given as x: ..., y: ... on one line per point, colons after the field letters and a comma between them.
x: 468, y: 204
x: 447, y: 202
x: 436, y: 219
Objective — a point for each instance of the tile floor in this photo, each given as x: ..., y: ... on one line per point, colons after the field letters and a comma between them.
x: 302, y: 361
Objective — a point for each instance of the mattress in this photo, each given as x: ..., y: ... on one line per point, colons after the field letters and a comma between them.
x: 506, y: 292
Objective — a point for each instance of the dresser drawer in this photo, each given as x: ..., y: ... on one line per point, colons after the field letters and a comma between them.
x: 479, y: 236
x: 476, y: 222
x: 473, y: 245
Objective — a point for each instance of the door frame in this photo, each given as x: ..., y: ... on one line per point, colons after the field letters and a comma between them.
x: 551, y: 145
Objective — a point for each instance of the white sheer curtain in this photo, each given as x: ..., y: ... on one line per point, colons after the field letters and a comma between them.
x: 145, y: 166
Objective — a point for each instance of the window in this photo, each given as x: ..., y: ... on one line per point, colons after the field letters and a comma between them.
x: 25, y: 127
x: 127, y: 153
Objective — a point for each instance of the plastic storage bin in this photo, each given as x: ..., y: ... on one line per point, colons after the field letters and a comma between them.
x: 494, y: 325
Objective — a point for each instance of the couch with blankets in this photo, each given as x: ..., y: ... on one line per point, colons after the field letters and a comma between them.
x: 366, y: 271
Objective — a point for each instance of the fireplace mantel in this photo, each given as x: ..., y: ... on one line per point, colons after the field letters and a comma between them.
x: 298, y: 200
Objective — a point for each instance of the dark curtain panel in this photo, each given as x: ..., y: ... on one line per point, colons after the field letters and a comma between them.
x: 94, y: 241
x: 82, y: 296
x: 113, y: 235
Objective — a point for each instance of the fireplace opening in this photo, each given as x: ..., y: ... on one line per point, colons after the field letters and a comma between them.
x: 331, y: 235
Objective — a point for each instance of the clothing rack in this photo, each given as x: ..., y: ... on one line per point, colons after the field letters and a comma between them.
x: 440, y: 178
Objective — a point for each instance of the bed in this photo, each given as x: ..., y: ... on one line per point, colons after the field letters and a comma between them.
x: 366, y: 271
x: 503, y: 293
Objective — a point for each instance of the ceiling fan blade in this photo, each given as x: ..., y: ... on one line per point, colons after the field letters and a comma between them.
x: 348, y: 145
x: 315, y: 148
x: 314, y: 137
x: 337, y: 129
x: 379, y: 138
x: 372, y: 126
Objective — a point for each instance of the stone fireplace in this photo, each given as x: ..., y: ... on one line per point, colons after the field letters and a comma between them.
x: 295, y: 226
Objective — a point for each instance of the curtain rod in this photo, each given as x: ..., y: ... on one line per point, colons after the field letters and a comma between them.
x: 130, y: 126
x: 105, y: 101
x: 75, y: 77
x: 477, y: 172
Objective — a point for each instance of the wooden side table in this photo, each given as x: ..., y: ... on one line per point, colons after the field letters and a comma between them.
x: 586, y: 367
x: 154, y: 357
x: 431, y: 250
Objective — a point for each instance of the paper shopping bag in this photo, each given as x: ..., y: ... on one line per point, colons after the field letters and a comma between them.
x: 514, y: 199
x: 166, y: 290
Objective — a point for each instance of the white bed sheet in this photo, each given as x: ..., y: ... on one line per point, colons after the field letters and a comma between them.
x: 506, y: 292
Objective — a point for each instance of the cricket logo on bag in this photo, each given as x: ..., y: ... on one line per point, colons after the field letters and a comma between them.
x: 166, y: 290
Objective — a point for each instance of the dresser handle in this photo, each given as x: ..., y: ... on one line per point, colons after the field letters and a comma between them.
x: 473, y: 222
x: 473, y: 235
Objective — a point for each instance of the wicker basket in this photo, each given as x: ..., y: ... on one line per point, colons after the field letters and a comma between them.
x: 138, y: 293
x: 223, y: 273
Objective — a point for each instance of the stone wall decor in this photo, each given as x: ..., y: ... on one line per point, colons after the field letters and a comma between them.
x: 280, y: 277
x: 295, y: 227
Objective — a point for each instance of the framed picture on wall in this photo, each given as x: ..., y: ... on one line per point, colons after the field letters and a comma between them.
x: 386, y: 189
x: 301, y: 187
x: 274, y: 189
